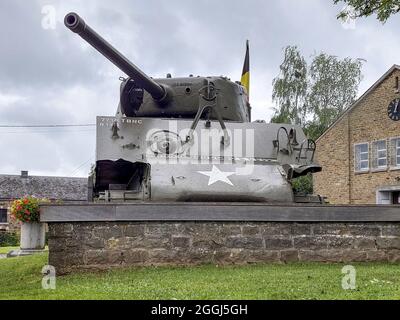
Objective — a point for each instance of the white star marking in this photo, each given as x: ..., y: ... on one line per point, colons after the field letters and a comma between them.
x: 217, y: 175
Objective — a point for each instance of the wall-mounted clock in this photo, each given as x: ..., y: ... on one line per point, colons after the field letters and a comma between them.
x: 394, y: 110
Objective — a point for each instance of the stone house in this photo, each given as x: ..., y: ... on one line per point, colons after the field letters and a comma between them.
x: 65, y: 189
x: 360, y: 152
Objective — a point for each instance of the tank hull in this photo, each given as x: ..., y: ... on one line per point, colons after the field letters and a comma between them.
x: 155, y: 153
x: 219, y: 183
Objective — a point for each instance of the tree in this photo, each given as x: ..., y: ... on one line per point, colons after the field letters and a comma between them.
x: 364, y: 8
x: 92, y: 169
x: 333, y: 88
x: 290, y: 88
x: 314, y: 96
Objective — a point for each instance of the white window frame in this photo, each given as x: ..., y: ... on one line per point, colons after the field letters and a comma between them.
x: 355, y: 158
x: 381, y: 158
x: 393, y: 153
x: 397, y: 155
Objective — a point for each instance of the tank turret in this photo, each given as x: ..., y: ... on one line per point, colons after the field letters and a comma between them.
x: 142, y: 96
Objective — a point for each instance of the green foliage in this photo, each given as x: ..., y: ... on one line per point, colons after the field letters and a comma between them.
x: 313, y: 130
x: 303, y: 185
x: 9, y: 239
x: 333, y: 87
x: 281, y: 117
x: 5, y: 250
x: 383, y: 9
x: 21, y: 278
x: 290, y: 88
x: 317, y: 95
x: 92, y: 170
x: 314, y: 95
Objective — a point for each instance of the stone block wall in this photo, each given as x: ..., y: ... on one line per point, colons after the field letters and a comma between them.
x: 368, y: 121
x: 101, y: 245
x: 333, y: 155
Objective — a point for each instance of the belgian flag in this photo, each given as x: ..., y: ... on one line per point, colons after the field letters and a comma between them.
x: 246, y: 70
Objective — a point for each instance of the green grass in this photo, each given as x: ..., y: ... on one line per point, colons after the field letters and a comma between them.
x: 5, y: 250
x: 20, y: 278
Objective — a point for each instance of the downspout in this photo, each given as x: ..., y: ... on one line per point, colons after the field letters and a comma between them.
x: 349, y: 157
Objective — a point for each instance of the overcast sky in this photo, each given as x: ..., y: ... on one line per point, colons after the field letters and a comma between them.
x: 50, y: 76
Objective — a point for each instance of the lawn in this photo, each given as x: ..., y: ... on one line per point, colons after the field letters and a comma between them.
x: 20, y: 278
x: 5, y: 250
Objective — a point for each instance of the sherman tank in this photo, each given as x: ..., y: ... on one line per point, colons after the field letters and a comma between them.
x: 190, y: 139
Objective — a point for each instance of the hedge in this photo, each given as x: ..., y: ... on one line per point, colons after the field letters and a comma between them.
x: 9, y: 239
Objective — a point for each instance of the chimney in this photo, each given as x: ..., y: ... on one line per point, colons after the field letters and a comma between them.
x: 24, y: 174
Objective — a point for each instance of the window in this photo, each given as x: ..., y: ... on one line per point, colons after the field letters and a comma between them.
x: 3, y: 215
x: 361, y: 154
x: 381, y: 154
x: 395, y: 152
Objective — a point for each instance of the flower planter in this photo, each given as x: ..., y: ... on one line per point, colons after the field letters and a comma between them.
x: 33, y: 236
x: 27, y: 211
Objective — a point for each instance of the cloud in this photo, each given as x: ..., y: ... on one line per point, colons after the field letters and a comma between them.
x: 52, y: 76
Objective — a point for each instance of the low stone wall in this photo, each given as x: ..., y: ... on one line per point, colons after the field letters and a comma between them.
x: 99, y: 245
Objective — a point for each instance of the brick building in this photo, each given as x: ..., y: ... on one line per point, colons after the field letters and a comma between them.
x: 69, y: 190
x: 360, y: 152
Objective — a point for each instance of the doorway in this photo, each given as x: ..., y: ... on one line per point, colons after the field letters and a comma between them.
x: 396, y: 197
x: 389, y: 195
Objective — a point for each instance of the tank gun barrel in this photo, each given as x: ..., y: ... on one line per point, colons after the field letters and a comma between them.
x: 77, y: 25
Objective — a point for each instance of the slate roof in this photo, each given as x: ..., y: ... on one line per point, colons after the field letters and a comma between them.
x: 54, y: 188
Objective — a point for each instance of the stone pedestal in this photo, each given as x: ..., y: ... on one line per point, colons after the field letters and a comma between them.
x: 33, y: 236
x: 86, y: 237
